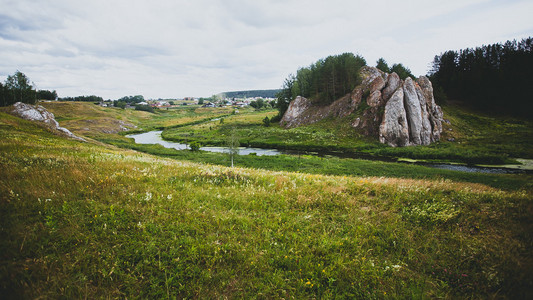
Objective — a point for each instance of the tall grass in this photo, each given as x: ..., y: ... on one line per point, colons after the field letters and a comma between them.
x: 81, y: 220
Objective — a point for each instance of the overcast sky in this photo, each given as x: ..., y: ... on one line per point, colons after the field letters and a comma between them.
x: 178, y: 48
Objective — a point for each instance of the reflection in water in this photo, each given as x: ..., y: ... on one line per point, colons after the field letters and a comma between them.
x: 154, y: 137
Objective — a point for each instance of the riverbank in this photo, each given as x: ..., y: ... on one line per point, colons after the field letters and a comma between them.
x: 154, y: 137
x: 468, y: 138
x: 331, y: 166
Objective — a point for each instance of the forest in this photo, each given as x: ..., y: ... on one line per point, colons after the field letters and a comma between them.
x: 251, y: 94
x: 494, y: 78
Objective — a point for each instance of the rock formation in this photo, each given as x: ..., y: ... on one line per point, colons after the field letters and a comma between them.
x: 398, y: 112
x: 39, y: 113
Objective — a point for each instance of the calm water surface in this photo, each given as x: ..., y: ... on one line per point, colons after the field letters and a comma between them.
x: 154, y: 137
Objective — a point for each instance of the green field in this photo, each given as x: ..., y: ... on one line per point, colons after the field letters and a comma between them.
x: 92, y: 220
x: 476, y: 138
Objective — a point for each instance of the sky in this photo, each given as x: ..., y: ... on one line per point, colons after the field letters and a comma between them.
x: 177, y: 48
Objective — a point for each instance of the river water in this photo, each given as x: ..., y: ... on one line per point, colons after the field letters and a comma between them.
x: 154, y: 137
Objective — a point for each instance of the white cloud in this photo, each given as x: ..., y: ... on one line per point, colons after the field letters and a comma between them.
x: 198, y: 48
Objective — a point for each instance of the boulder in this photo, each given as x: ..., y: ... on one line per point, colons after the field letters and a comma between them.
x: 40, y: 114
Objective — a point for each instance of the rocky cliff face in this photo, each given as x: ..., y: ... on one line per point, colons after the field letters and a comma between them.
x: 398, y: 112
x: 39, y: 113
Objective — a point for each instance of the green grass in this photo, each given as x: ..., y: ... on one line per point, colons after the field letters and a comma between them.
x: 94, y: 121
x: 333, y: 166
x: 478, y: 139
x: 85, y: 220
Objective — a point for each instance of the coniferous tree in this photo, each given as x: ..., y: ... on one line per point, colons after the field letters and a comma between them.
x: 492, y: 77
x: 382, y: 65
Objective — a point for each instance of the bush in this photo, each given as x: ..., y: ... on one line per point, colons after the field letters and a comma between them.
x: 266, y: 122
x: 144, y: 108
x: 276, y: 118
x: 195, y: 146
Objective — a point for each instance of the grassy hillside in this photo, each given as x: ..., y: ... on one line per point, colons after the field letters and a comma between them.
x: 83, y: 220
x: 94, y: 121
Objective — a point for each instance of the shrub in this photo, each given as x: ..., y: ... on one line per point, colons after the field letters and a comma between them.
x: 195, y: 146
x: 266, y: 122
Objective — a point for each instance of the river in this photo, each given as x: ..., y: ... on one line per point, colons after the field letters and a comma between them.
x: 154, y: 137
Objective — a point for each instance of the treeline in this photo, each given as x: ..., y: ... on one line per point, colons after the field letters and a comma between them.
x: 495, y: 77
x: 132, y: 99
x: 402, y: 71
x: 322, y: 82
x: 329, y: 79
x: 91, y: 98
x: 17, y: 87
x: 251, y: 94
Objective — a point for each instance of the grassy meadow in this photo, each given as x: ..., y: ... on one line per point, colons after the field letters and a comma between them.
x: 92, y: 220
x: 477, y: 139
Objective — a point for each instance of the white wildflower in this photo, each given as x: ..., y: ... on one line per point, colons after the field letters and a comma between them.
x: 148, y: 196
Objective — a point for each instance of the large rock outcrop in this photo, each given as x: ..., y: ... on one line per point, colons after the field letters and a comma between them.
x: 397, y: 112
x: 40, y: 114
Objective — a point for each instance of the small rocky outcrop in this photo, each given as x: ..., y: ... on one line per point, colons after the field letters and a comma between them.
x: 397, y: 112
x: 40, y: 114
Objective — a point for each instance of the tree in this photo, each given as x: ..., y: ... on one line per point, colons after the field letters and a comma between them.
x: 46, y: 95
x: 491, y: 77
x: 381, y: 64
x: 233, y: 144
x: 402, y: 71
x: 266, y: 122
x: 195, y: 146
x: 215, y: 98
x: 258, y: 104
x: 132, y: 99
x: 147, y: 108
x: 91, y: 98
x: 3, y: 95
x: 201, y: 101
x: 120, y: 104
x: 284, y: 97
x: 19, y: 89
x: 324, y: 81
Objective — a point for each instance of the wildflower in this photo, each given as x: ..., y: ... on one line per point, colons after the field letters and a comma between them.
x: 148, y: 196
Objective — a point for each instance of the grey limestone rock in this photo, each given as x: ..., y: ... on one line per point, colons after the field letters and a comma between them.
x: 399, y: 112
x: 394, y: 129
x: 40, y: 114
